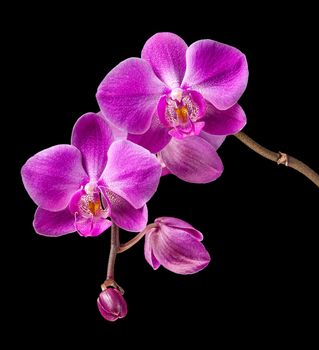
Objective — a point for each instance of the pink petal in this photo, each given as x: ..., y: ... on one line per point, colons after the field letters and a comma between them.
x: 215, y: 140
x: 125, y: 215
x: 192, y: 131
x: 227, y: 122
x: 132, y: 172
x: 53, y: 175
x: 148, y: 251
x: 93, y: 137
x: 180, y: 224
x: 178, y: 251
x: 128, y: 95
x: 53, y: 224
x: 155, y: 138
x: 192, y: 159
x: 166, y: 54
x: 117, y: 132
x: 91, y: 227
x: 218, y: 71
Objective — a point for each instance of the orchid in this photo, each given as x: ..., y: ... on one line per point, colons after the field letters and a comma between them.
x: 176, y: 245
x: 167, y: 112
x: 80, y: 187
x: 174, y: 93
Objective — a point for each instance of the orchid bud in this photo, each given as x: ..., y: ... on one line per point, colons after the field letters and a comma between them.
x: 111, y: 304
x: 176, y: 245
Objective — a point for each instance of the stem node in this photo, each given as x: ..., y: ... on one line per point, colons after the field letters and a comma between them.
x: 282, y: 159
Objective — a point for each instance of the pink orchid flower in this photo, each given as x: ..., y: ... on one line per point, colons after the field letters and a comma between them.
x: 178, y: 101
x: 79, y: 187
x: 176, y: 245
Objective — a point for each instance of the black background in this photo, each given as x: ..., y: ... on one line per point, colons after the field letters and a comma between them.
x: 260, y: 221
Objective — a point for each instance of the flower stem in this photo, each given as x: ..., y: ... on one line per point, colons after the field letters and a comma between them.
x: 115, y: 243
x: 125, y: 246
x: 279, y: 158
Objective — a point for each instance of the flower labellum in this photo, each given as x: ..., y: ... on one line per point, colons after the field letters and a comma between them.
x: 176, y: 245
x: 111, y: 304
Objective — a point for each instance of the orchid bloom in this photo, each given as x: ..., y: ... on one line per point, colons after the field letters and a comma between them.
x: 79, y: 187
x: 176, y: 245
x: 176, y: 97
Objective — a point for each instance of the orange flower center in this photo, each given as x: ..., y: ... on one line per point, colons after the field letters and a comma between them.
x: 94, y: 206
x: 182, y: 113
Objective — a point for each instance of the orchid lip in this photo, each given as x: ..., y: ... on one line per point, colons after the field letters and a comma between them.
x: 89, y: 205
x: 181, y: 111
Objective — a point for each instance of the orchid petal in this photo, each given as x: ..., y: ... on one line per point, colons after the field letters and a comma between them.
x: 128, y: 95
x: 124, y: 214
x: 93, y: 137
x: 227, y: 122
x: 166, y: 54
x: 155, y: 138
x: 180, y: 224
x: 132, y: 172
x: 192, y: 159
x: 215, y: 140
x: 218, y: 71
x: 53, y: 224
x: 53, y: 175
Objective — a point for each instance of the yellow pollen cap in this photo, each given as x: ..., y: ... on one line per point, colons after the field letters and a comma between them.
x: 94, y: 206
x: 182, y: 114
